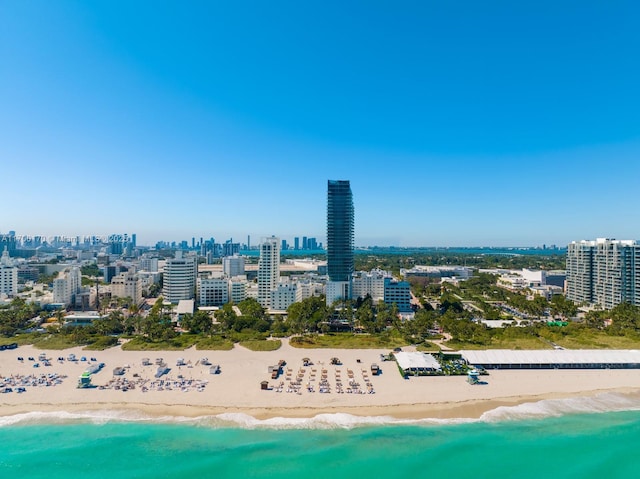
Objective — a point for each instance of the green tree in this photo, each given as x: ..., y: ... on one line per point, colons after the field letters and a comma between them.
x: 226, y: 317
x: 197, y: 323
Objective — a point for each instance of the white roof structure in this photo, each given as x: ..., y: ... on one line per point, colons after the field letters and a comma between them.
x: 185, y: 306
x: 554, y: 357
x: 417, y: 361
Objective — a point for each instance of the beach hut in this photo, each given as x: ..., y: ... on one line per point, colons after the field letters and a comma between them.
x: 375, y: 369
x: 264, y: 385
x: 146, y: 362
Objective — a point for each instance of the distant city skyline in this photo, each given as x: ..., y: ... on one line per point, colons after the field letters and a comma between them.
x: 466, y: 124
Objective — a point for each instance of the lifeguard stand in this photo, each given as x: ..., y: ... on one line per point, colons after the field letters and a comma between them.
x: 84, y: 381
x: 473, y: 376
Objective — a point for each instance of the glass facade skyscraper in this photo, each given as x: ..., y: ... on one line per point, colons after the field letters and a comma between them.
x: 605, y: 272
x: 340, y: 222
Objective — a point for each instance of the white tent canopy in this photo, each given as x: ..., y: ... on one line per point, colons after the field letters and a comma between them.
x: 564, y: 358
x: 417, y: 362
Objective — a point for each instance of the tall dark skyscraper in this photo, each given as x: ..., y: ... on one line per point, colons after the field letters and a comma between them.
x: 340, y: 222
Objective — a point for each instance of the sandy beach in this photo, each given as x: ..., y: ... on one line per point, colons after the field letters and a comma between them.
x: 191, y: 390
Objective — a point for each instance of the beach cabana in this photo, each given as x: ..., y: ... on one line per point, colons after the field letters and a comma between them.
x: 264, y: 385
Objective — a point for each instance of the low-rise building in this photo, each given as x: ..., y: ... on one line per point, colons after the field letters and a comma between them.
x: 283, y: 296
x: 213, y: 291
x: 438, y: 272
x: 127, y: 285
x: 370, y: 283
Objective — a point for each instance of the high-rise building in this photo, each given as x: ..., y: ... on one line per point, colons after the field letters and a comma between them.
x: 268, y: 269
x: 179, y: 278
x: 8, y: 275
x: 340, y: 224
x: 605, y: 272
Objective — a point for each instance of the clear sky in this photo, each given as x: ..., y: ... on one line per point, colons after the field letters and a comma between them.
x: 458, y: 123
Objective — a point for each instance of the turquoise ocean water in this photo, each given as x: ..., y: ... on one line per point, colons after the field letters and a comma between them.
x: 548, y: 439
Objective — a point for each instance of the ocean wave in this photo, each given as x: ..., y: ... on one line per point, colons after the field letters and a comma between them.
x: 600, y: 403
x: 605, y: 402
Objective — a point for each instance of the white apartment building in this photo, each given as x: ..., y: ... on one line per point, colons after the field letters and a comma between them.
x: 67, y: 285
x: 370, y: 283
x: 237, y: 289
x: 251, y: 291
x: 179, y: 278
x: 308, y: 288
x: 268, y: 270
x: 233, y: 266
x: 605, y: 272
x: 213, y: 291
x: 8, y: 275
x: 283, y: 296
x: 148, y: 264
x: 127, y: 285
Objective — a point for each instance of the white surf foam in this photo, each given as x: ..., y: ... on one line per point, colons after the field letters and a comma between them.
x: 606, y: 402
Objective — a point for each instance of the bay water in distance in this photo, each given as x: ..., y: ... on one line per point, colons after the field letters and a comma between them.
x: 570, y: 438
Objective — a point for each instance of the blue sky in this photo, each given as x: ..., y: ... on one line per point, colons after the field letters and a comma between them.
x: 458, y: 123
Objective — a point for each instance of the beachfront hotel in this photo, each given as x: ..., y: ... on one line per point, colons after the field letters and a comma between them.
x: 340, y: 226
x: 604, y: 272
x: 179, y: 278
x: 268, y: 269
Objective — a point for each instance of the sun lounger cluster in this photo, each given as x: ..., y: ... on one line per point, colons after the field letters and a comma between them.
x: 20, y: 382
x: 317, y: 380
x: 167, y: 384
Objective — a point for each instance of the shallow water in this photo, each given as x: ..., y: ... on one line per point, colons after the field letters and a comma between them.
x: 579, y: 437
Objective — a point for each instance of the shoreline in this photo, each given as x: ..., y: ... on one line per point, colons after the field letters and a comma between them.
x: 463, y: 410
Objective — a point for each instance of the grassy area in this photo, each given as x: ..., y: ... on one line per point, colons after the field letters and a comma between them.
x: 22, y: 339
x: 214, y: 344
x: 598, y: 341
x: 347, y: 341
x: 531, y: 342
x: 102, y: 343
x: 428, y: 347
x: 56, y: 341
x: 178, y: 343
x: 258, y: 345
